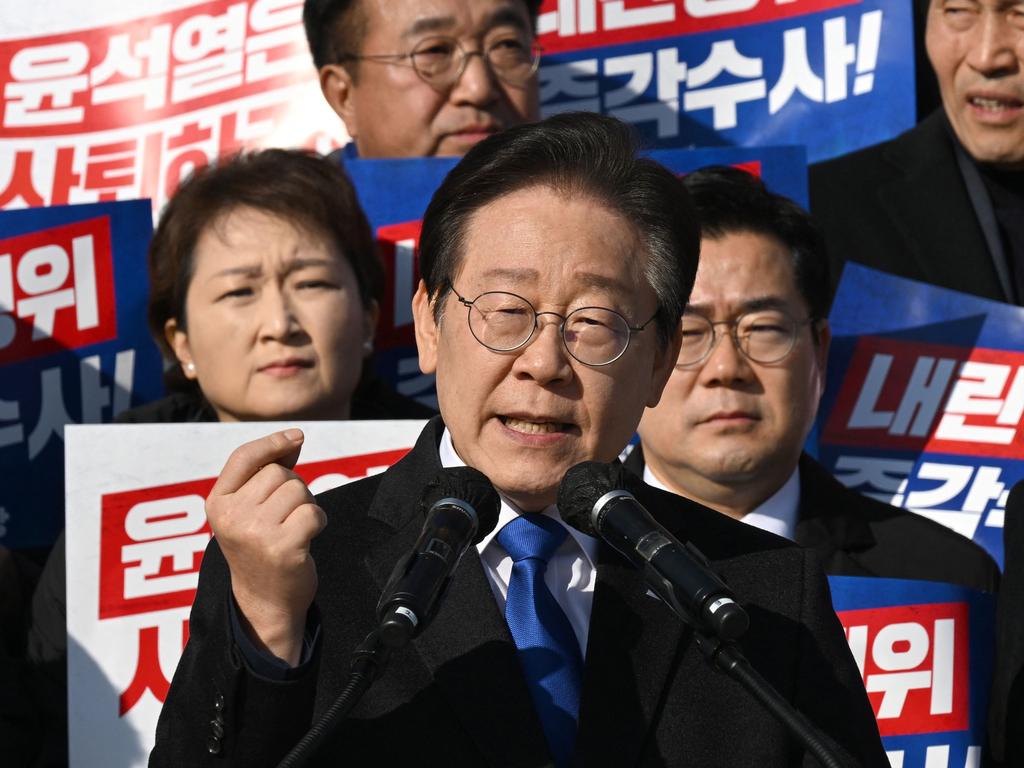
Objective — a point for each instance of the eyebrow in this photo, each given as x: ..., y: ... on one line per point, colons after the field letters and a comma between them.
x: 588, y: 279
x: 503, y: 16
x: 750, y: 305
x: 253, y: 270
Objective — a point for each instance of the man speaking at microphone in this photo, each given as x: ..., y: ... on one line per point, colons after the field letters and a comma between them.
x: 556, y: 265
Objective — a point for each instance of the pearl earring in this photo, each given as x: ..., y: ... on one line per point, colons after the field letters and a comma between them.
x: 368, y: 346
x: 190, y: 367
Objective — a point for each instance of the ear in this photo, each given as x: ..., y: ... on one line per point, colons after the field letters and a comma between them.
x: 371, y: 316
x: 664, y: 363
x: 337, y: 87
x: 426, y: 329
x: 823, y: 334
x: 177, y: 340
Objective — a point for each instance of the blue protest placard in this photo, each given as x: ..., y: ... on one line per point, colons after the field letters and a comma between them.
x: 925, y: 651
x: 924, y: 406
x: 833, y: 75
x: 74, y: 346
x: 395, y: 193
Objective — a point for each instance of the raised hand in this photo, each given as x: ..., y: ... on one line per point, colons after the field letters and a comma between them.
x: 264, y: 519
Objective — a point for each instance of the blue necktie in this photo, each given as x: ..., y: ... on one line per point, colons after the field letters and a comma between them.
x: 548, y: 650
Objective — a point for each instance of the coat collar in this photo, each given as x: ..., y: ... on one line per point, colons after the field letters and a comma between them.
x: 826, y: 524
x: 928, y: 203
x: 823, y: 521
x: 634, y: 642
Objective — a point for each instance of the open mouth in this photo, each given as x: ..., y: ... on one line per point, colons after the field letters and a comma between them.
x: 994, y: 104
x: 535, y: 427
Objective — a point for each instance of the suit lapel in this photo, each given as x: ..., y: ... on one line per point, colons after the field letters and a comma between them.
x: 467, y: 647
x: 825, y: 523
x: 940, y: 231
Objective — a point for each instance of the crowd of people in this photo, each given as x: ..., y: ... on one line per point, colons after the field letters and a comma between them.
x: 572, y: 294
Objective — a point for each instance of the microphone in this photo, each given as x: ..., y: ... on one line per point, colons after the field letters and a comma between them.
x: 461, y: 507
x: 592, y: 499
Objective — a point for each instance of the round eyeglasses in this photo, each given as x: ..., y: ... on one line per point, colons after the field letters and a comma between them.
x: 763, y: 336
x: 504, y: 322
x: 440, y: 61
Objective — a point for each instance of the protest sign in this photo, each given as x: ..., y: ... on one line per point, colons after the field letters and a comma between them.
x: 924, y: 406
x: 74, y: 346
x: 136, y: 533
x: 924, y: 650
x: 101, y: 111
x: 834, y: 75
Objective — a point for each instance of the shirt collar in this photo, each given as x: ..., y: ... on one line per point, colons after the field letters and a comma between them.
x: 588, y: 544
x: 777, y: 514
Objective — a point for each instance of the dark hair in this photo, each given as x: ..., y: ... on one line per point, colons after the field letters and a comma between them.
x: 729, y: 201
x: 300, y: 187
x: 582, y: 154
x: 335, y: 27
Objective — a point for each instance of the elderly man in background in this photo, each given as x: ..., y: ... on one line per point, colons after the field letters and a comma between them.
x: 413, y: 78
x: 944, y: 202
x: 730, y: 427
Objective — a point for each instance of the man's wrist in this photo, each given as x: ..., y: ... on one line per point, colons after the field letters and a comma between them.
x: 264, y: 662
x: 278, y: 633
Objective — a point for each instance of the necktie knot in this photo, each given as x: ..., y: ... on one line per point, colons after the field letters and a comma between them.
x: 534, y: 536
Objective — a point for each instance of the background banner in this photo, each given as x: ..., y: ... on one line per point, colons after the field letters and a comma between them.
x: 74, y: 346
x: 99, y: 104
x: 924, y: 406
x: 136, y: 533
x: 834, y: 75
x: 125, y: 110
x: 395, y: 194
x: 925, y: 652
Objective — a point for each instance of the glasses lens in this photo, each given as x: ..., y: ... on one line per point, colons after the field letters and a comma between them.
x: 435, y: 59
x: 596, y: 336
x: 512, y: 58
x: 501, y: 321
x: 766, y: 337
x: 698, y: 335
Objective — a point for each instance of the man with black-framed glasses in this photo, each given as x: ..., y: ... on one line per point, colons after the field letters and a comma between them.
x: 730, y: 427
x: 416, y: 78
x: 576, y: 255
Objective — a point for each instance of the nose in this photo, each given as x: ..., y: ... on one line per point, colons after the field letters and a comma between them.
x: 477, y: 85
x: 545, y: 358
x: 991, y: 52
x: 277, y: 315
x: 725, y: 365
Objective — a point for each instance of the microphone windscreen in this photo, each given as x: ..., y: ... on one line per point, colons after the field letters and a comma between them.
x: 469, y: 485
x: 581, y: 488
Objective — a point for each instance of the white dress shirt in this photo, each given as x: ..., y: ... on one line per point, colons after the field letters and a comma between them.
x: 777, y: 514
x: 571, y: 572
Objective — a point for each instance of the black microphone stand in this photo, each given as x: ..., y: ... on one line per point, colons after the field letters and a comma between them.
x: 727, y: 657
x: 368, y: 662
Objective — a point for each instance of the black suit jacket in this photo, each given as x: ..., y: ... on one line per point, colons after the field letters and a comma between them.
x: 855, y: 535
x: 903, y: 207
x: 456, y: 696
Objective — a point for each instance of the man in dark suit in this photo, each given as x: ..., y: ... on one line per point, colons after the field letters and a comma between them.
x: 730, y: 426
x: 415, y: 78
x: 944, y: 202
x: 556, y: 264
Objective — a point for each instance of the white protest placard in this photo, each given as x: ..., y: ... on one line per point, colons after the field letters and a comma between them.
x: 136, y: 532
